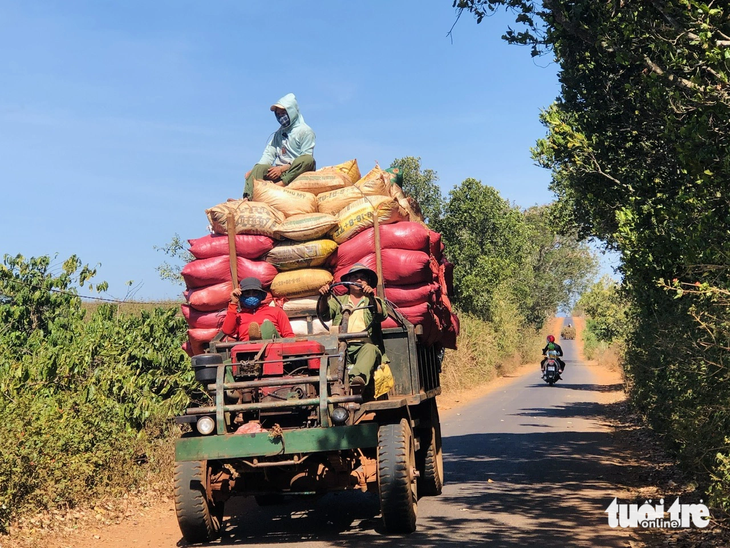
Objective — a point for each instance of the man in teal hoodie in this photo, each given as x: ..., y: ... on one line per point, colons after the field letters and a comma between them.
x: 289, y: 151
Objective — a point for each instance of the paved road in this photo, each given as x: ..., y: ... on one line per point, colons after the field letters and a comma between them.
x: 527, y: 465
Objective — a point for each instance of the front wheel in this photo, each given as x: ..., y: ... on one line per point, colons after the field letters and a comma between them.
x: 397, y: 477
x: 198, y: 516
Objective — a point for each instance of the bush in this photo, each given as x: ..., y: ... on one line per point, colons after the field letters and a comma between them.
x: 83, y: 392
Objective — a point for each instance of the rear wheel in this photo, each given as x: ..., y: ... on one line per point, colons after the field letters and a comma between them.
x: 430, y: 459
x: 198, y: 516
x: 397, y: 477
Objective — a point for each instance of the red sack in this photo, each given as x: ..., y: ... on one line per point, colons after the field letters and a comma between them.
x: 211, y: 298
x: 448, y: 338
x: 447, y: 275
x: 248, y: 246
x: 204, y: 320
x: 437, y: 246
x: 400, y: 267
x: 198, y: 338
x: 417, y: 315
x: 411, y: 295
x: 214, y: 270
x: 401, y: 235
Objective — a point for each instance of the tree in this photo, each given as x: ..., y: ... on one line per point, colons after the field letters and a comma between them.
x: 485, y: 238
x: 639, y: 147
x: 421, y: 185
x: 176, y: 250
x: 559, y: 267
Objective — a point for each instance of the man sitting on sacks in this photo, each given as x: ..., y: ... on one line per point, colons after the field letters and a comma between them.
x: 289, y: 151
x: 254, y: 321
x: 367, y: 311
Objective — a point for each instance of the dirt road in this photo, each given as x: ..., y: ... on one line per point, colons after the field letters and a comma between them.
x: 525, y: 464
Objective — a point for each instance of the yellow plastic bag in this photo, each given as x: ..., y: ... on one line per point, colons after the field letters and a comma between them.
x: 384, y: 381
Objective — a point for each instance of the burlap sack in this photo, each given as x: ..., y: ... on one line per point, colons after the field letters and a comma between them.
x: 289, y: 255
x: 359, y: 215
x: 305, y: 227
x: 250, y: 217
x: 300, y: 283
x: 284, y: 199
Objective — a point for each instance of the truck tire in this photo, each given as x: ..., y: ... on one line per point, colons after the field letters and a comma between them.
x: 198, y: 517
x: 431, y: 465
x: 397, y: 486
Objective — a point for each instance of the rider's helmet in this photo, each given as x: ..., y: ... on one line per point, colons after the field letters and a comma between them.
x: 550, y: 338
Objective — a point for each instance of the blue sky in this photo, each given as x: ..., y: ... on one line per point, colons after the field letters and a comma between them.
x: 121, y: 122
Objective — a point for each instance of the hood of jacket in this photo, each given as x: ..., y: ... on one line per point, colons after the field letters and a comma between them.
x: 289, y: 103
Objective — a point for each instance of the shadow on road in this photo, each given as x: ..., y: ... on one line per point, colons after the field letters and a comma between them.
x: 503, y: 490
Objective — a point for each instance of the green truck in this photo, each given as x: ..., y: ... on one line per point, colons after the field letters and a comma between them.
x: 283, y: 421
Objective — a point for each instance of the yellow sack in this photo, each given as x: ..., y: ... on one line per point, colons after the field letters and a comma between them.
x: 377, y: 182
x: 359, y: 215
x: 250, y: 217
x: 283, y: 199
x: 289, y: 255
x: 307, y: 226
x: 334, y: 201
x: 322, y: 180
x: 351, y: 169
x: 384, y: 381
x: 300, y: 283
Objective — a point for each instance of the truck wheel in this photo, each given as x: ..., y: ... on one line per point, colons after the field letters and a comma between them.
x: 397, y: 478
x: 198, y: 517
x: 431, y: 465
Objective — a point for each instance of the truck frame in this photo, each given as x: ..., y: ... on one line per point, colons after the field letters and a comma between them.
x: 282, y: 421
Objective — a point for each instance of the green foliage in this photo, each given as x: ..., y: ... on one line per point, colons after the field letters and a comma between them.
x: 79, y: 391
x: 494, y: 245
x: 639, y: 148
x: 177, y: 251
x: 606, y: 309
x: 421, y: 185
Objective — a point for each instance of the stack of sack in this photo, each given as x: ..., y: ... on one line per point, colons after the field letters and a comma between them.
x: 297, y: 238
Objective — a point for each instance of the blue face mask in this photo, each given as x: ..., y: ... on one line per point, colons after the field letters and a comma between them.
x: 283, y: 119
x: 250, y: 302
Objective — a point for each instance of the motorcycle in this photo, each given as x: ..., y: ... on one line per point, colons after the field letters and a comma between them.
x: 551, y: 371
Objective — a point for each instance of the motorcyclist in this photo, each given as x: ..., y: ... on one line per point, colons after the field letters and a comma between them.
x: 552, y: 345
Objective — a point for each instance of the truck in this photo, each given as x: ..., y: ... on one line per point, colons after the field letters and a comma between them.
x: 281, y: 420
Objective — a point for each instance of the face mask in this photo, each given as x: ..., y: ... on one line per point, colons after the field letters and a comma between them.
x: 283, y: 119
x: 251, y: 302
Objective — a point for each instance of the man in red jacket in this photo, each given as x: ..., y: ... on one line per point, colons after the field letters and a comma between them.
x: 254, y: 321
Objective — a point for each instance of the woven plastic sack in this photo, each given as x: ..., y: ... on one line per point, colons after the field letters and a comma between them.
x: 250, y: 246
x: 301, y: 306
x: 300, y: 283
x: 400, y: 267
x: 203, y: 320
x: 359, y: 216
x: 336, y: 200
x: 250, y: 218
x: 205, y: 272
x: 289, y: 255
x: 413, y: 294
x: 305, y: 227
x: 322, y: 180
x: 284, y: 199
x: 403, y: 235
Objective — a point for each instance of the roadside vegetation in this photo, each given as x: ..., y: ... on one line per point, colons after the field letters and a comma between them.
x: 639, y: 146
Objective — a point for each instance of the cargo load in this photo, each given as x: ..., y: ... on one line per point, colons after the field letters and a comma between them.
x: 296, y: 239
